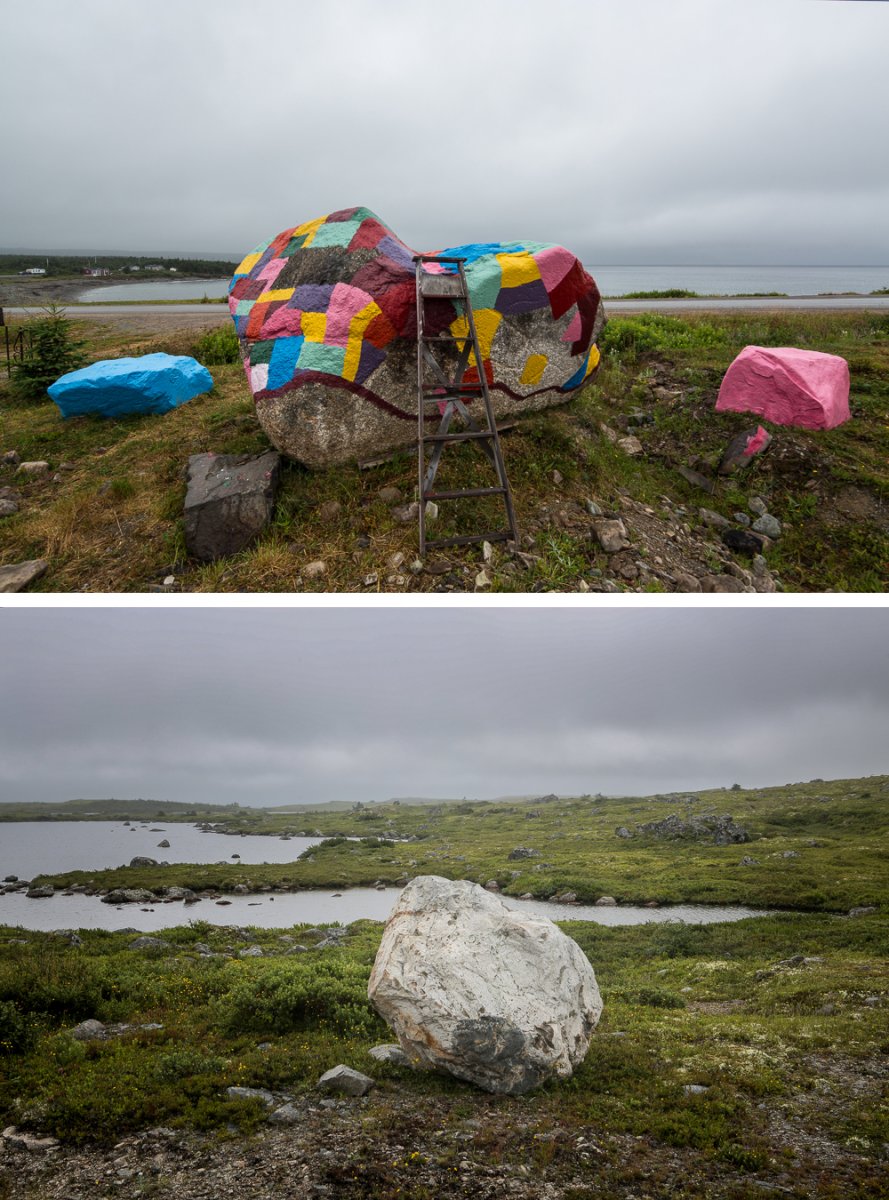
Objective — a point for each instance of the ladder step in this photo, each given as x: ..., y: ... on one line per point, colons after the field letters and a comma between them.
x: 442, y: 287
x: 501, y: 535
x: 459, y: 494
x: 440, y: 392
x: 466, y: 435
x: 442, y: 337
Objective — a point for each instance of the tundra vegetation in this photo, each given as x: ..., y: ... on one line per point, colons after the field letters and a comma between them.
x: 731, y: 1059
x: 112, y: 521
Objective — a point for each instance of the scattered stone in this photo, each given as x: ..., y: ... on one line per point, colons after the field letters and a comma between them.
x: 696, y: 479
x: 630, y: 445
x: 622, y: 832
x: 741, y: 541
x: 790, y: 854
x: 28, y: 1141
x: 492, y: 885
x: 482, y: 580
x: 11, y: 458
x: 522, y: 852
x: 722, y: 829
x: 742, y: 519
x: 743, y: 449
x: 391, y: 1054
x: 593, y: 509
x: 163, y: 844
x: 723, y: 583
x: 16, y: 576
x: 41, y: 893
x: 487, y: 552
x: 89, y: 1031
x: 695, y: 1089
x: 714, y: 519
x: 768, y: 525
x: 343, y: 1081
x: 862, y: 910
x: 229, y: 502
x: 437, y: 981
x: 406, y: 514
x: 247, y: 1093
x: 314, y: 570
x: 128, y: 896
x: 287, y: 1114
x: 757, y: 506
x: 8, y: 508
x: 558, y: 478
x: 431, y: 510
x: 149, y: 943
x: 390, y: 495
x: 141, y: 861
x: 687, y: 583
x: 251, y: 952
x: 747, y: 861
x: 606, y: 902
x: 39, y: 467
x: 371, y: 580
x: 611, y: 535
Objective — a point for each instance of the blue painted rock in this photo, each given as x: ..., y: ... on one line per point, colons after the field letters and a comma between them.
x: 152, y: 383
x: 326, y: 316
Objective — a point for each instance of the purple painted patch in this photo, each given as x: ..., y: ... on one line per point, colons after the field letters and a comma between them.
x: 369, y: 360
x: 312, y: 297
x: 527, y: 298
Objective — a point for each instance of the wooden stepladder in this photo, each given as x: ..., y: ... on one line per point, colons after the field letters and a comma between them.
x: 441, y: 389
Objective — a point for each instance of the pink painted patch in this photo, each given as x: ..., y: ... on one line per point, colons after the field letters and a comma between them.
x: 283, y: 321
x: 345, y: 303
x: 572, y: 333
x: 758, y: 442
x: 271, y: 270
x: 788, y: 387
x: 553, y: 264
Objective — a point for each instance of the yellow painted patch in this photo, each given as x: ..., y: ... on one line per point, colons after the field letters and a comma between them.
x: 357, y: 326
x: 276, y: 294
x: 534, y: 369
x: 310, y: 228
x: 249, y: 263
x: 517, y: 269
x: 486, y: 322
x: 593, y: 360
x: 314, y: 326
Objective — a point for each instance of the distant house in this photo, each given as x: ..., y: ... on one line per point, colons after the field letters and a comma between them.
x: 96, y: 272
x: 34, y: 271
x: 134, y: 268
x: 153, y: 267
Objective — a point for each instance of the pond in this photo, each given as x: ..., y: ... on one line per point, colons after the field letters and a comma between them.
x: 159, y: 289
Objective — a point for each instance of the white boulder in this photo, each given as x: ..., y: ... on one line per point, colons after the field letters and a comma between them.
x: 490, y: 995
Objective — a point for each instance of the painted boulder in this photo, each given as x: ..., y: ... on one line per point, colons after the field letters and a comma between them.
x: 787, y: 387
x: 326, y: 317
x: 114, y: 387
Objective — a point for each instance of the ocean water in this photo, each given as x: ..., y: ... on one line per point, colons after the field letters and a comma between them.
x: 612, y: 281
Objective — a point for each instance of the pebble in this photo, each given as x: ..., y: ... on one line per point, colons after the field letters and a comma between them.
x: 389, y: 495
x: 742, y: 519
x: 768, y: 525
x: 592, y: 508
x: 714, y: 519
x: 8, y: 508
x: 757, y: 505
x: 630, y: 445
x: 431, y: 510
x: 32, y: 468
x: 314, y: 570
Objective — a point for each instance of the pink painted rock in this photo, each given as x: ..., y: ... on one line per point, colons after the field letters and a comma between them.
x: 788, y: 387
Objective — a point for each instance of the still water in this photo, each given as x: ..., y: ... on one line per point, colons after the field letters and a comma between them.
x: 314, y: 907
x: 612, y: 281
x: 29, y: 848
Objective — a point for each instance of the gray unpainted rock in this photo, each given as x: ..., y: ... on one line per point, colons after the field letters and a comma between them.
x: 42, y: 892
x: 390, y: 1053
x: 229, y: 502
x: 89, y: 1031
x: 247, y: 1093
x: 141, y: 861
x: 343, y: 1081
x: 491, y: 995
x: 149, y: 943
x: 129, y: 896
x: 768, y: 525
x: 722, y: 830
x: 611, y: 535
x: 287, y: 1114
x: 16, y: 576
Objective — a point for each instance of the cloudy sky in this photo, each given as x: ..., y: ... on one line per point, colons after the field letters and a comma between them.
x: 276, y: 706
x: 633, y: 131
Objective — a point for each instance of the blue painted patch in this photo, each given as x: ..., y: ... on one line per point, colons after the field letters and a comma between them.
x: 283, y: 361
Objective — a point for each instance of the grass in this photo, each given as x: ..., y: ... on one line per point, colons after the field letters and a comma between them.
x: 113, y: 522
x: 837, y: 831
x: 781, y: 1018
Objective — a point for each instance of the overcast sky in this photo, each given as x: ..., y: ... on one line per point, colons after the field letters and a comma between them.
x: 632, y: 131
x: 275, y: 706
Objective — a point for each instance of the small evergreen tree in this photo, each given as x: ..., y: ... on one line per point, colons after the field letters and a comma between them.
x: 53, y: 352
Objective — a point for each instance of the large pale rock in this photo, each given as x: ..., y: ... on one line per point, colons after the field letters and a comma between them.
x: 787, y: 386
x: 495, y: 997
x: 15, y: 577
x: 326, y: 315
x: 151, y: 383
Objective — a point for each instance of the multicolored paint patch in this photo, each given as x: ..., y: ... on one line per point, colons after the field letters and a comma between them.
x: 326, y: 302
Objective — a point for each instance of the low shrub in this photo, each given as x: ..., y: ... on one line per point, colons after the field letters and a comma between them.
x: 218, y: 347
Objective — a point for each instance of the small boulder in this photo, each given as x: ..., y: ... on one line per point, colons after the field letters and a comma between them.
x: 15, y: 577
x: 229, y: 502
x: 163, y: 844
x: 128, y: 896
x: 39, y: 467
x: 742, y: 541
x: 611, y: 535
x: 247, y: 1093
x: 390, y: 1053
x: 522, y: 852
x: 141, y: 861
x: 151, y: 383
x: 149, y: 943
x: 89, y: 1031
x: 43, y: 892
x: 343, y: 1081
x: 606, y: 902
x: 787, y: 387
x: 743, y: 449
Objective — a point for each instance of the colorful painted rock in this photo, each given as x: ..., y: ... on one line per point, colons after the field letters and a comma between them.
x: 326, y: 316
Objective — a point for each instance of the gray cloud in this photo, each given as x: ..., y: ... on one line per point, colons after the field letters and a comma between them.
x: 633, y: 131
x: 271, y: 706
